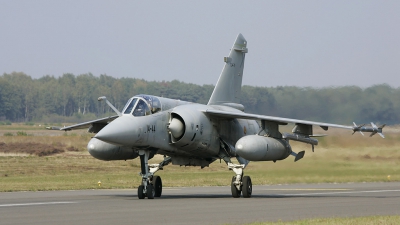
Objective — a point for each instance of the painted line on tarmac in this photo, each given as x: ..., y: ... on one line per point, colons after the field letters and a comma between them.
x: 310, y: 189
x: 35, y: 204
x: 339, y: 192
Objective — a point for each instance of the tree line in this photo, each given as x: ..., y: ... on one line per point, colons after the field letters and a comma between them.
x: 71, y: 98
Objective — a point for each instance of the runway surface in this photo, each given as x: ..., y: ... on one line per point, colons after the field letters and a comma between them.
x: 201, y: 205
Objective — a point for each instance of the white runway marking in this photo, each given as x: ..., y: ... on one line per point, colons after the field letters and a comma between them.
x: 311, y: 189
x: 35, y: 203
x: 340, y: 192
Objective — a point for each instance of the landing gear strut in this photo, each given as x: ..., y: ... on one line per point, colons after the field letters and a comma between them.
x: 240, y: 184
x: 151, y: 185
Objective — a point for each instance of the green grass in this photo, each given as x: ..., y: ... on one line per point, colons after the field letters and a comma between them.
x: 368, y: 220
x: 78, y: 170
x: 339, y: 158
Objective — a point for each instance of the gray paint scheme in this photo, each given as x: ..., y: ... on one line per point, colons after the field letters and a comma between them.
x: 228, y: 87
x: 192, y: 134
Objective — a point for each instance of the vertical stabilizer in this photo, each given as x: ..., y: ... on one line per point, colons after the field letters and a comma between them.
x: 229, y: 84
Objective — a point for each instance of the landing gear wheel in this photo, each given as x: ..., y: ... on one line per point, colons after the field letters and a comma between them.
x: 150, y: 191
x: 247, y: 187
x: 234, y: 190
x: 140, y: 192
x: 157, y: 184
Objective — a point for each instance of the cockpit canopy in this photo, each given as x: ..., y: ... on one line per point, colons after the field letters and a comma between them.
x: 142, y: 105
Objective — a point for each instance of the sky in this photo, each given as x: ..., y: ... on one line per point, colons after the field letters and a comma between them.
x: 291, y: 43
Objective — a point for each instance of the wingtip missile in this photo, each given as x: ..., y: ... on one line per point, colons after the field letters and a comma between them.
x: 377, y: 130
x: 380, y: 130
x: 373, y: 129
x: 358, y: 128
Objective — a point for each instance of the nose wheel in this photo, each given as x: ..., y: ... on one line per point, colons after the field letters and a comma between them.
x: 149, y: 192
x: 157, y: 184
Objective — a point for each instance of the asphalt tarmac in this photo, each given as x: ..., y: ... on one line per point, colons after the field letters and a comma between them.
x: 201, y: 205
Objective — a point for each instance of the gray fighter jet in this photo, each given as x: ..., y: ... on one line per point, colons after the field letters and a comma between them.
x: 191, y: 134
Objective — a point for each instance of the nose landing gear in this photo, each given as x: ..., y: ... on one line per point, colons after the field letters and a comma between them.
x: 151, y: 185
x: 149, y: 192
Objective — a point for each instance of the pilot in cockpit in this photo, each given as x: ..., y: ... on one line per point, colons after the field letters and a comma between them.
x: 141, y: 109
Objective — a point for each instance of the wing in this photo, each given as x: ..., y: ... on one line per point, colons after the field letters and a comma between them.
x: 94, y: 125
x: 302, y: 126
x: 279, y: 120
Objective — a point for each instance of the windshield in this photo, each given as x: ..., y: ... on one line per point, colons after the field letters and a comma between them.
x: 153, y: 102
x: 142, y: 105
x: 129, y: 106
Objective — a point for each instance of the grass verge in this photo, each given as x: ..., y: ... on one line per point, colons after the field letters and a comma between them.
x: 339, y: 158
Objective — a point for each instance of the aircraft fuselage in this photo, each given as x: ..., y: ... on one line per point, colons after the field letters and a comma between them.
x: 200, y: 137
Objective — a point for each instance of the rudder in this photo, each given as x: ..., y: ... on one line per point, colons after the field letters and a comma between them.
x: 229, y: 84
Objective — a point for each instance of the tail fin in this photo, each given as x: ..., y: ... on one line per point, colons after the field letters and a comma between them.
x: 229, y: 84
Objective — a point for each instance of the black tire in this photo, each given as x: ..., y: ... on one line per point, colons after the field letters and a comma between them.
x: 140, y: 193
x: 247, y: 187
x: 157, y: 184
x: 234, y: 190
x: 150, y: 191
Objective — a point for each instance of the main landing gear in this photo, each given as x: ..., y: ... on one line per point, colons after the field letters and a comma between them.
x: 151, y: 185
x: 240, y: 184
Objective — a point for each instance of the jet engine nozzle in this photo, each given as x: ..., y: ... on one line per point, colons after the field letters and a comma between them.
x: 176, y: 127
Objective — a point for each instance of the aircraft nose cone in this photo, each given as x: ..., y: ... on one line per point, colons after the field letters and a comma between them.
x: 118, y: 132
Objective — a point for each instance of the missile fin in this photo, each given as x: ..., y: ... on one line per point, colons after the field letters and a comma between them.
x: 298, y: 156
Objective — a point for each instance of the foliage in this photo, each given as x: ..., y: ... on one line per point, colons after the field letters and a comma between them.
x: 21, y: 133
x: 71, y: 98
x: 5, y: 123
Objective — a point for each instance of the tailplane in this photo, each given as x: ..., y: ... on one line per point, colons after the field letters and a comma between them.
x: 228, y: 88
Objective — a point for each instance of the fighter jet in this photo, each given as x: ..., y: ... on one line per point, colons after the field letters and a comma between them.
x: 191, y: 134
